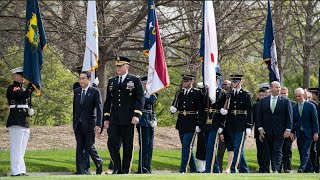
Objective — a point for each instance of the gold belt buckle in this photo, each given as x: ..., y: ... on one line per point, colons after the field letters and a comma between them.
x: 184, y: 112
x: 209, y: 121
x: 235, y: 112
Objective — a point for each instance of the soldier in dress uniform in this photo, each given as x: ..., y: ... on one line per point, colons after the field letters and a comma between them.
x: 188, y: 104
x: 122, y: 110
x: 213, y: 125
x: 240, y: 119
x: 18, y: 121
x: 145, y: 129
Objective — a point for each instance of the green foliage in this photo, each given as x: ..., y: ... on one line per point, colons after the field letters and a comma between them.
x: 54, y: 105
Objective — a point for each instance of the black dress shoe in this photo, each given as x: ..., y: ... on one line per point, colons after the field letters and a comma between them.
x: 115, y: 172
x: 300, y: 171
x: 99, y: 169
x: 16, y: 175
x: 24, y: 174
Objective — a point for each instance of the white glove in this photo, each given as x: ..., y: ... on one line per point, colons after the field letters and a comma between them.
x: 223, y: 111
x: 173, y: 109
x: 96, y: 81
x: 30, y: 112
x: 220, y: 130
x: 153, y: 124
x: 248, y: 131
x: 198, y: 129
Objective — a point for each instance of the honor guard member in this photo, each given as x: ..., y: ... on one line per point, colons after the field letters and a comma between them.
x: 122, y: 110
x: 188, y: 104
x: 225, y: 138
x: 201, y: 139
x: 145, y: 129
x: 18, y: 121
x: 214, y: 123
x: 240, y: 120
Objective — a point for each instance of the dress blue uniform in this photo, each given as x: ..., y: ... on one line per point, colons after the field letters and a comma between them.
x: 239, y: 118
x: 212, y: 121
x: 146, y: 132
x: 124, y: 100
x: 190, y: 107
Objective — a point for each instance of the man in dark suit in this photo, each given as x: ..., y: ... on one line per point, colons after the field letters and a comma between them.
x: 261, y: 94
x: 305, y: 128
x: 315, y: 98
x: 274, y: 122
x: 122, y: 110
x: 87, y: 121
x: 287, y: 143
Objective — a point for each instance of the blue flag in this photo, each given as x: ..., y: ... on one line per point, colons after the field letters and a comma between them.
x: 34, y: 43
x: 269, y: 49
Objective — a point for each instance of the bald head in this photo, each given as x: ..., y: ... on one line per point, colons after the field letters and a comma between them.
x: 275, y: 88
x: 226, y: 85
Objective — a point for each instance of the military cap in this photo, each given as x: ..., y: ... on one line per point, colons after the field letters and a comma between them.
x: 120, y: 60
x: 263, y: 90
x: 264, y: 86
x: 313, y: 90
x: 188, y: 76
x: 18, y: 70
x: 144, y: 79
x: 236, y: 77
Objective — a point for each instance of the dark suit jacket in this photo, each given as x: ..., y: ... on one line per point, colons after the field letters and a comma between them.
x: 308, y: 120
x: 279, y: 120
x: 90, y: 111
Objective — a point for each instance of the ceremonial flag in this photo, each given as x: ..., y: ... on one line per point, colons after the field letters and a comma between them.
x: 269, y: 49
x: 34, y: 43
x: 158, y: 77
x: 209, y: 49
x: 91, y: 54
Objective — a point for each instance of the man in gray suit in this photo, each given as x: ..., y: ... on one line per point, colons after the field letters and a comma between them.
x: 274, y: 122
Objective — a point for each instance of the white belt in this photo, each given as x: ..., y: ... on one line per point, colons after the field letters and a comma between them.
x: 18, y: 106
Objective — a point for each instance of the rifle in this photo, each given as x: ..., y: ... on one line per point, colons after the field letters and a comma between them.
x: 228, y: 98
x: 176, y: 96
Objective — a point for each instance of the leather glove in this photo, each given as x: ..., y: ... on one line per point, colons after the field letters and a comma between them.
x: 223, y: 111
x: 220, y: 130
x: 173, y: 109
x: 248, y: 131
x: 198, y: 129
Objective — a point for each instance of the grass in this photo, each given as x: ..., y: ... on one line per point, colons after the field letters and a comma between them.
x: 183, y: 176
x: 63, y: 160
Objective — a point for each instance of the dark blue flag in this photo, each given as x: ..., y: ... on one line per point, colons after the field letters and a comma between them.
x: 269, y: 49
x: 34, y: 43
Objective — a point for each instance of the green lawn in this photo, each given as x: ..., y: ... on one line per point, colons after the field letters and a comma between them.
x: 183, y: 176
x: 63, y: 160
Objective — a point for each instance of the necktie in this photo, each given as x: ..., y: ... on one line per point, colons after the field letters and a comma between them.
x: 120, y: 80
x: 300, y: 109
x: 273, y: 104
x: 82, y: 96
